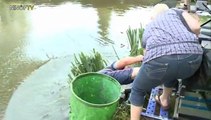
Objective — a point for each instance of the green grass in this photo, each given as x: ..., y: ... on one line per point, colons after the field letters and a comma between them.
x: 122, y: 113
x: 204, y: 19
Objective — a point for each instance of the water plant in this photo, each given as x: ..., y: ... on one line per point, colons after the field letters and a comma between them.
x: 135, y: 40
x: 87, y: 63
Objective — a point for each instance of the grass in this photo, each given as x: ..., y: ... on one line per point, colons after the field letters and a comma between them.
x: 122, y: 113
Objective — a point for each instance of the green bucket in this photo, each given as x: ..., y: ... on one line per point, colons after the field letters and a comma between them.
x: 94, y: 96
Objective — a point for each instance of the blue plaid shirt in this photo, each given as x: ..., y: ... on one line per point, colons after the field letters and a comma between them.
x: 169, y: 34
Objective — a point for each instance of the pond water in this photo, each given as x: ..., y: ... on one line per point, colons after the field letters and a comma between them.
x: 29, y: 38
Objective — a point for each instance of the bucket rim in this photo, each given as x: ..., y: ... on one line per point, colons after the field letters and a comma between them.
x: 93, y: 104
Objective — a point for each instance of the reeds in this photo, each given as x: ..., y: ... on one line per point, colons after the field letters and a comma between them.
x: 135, y: 40
x: 87, y: 63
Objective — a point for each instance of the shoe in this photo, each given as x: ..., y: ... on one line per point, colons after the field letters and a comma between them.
x: 157, y: 99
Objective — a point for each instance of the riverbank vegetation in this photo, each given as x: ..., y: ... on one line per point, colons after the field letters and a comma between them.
x: 87, y: 63
x: 95, y: 61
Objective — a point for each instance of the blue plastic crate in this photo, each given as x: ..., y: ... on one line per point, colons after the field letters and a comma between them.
x: 150, y: 111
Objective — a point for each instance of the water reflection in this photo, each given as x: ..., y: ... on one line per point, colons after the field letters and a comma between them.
x: 104, y: 15
x: 14, y: 66
x: 64, y: 34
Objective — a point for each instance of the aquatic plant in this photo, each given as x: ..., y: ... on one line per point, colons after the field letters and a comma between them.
x: 87, y: 63
x: 135, y: 40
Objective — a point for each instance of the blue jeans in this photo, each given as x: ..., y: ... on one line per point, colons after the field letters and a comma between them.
x: 123, y: 76
x: 163, y: 70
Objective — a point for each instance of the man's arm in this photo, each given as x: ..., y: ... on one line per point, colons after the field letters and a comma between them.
x: 120, y: 64
x: 193, y: 22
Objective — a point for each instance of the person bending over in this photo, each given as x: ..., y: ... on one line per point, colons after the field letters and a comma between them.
x: 172, y: 51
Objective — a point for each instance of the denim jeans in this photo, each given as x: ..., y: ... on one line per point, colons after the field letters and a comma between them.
x: 123, y: 76
x: 163, y: 70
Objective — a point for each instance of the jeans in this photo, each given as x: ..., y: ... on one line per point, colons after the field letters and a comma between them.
x: 123, y: 76
x: 163, y: 70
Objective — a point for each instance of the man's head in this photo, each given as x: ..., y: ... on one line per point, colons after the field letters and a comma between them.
x: 158, y: 9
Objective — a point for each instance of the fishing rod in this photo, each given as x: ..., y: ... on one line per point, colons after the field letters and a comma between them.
x: 205, y: 23
x: 208, y: 10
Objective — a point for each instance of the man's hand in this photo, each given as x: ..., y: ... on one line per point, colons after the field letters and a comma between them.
x: 140, y: 58
x: 122, y: 63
